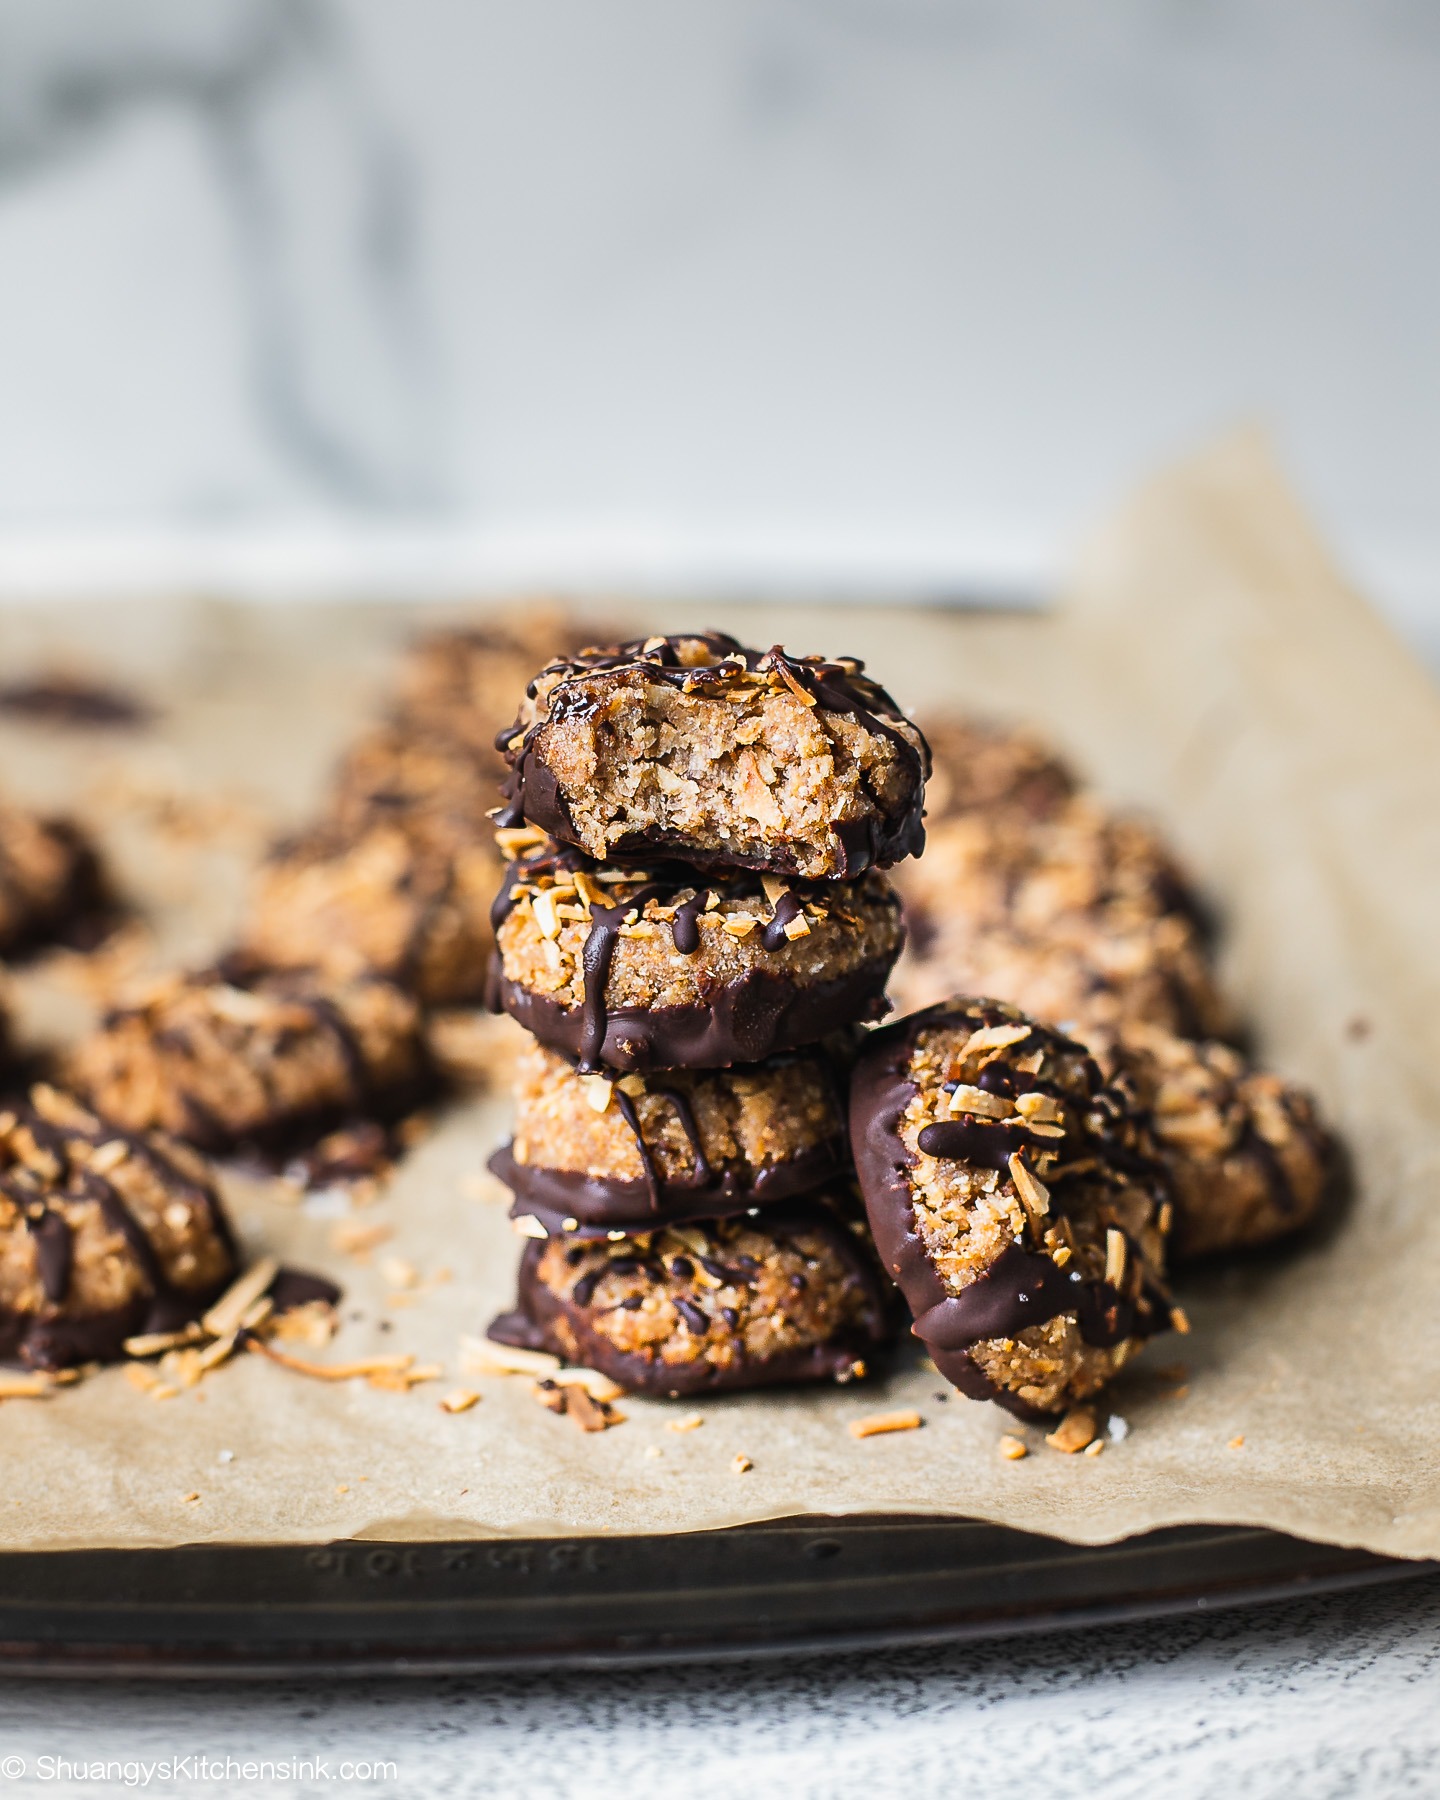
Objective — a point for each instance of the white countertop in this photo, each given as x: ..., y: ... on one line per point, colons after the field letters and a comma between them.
x: 1323, y: 1698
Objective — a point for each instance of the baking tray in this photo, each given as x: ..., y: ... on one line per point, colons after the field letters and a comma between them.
x: 801, y: 1585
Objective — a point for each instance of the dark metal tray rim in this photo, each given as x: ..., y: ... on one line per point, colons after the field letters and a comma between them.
x: 788, y: 1588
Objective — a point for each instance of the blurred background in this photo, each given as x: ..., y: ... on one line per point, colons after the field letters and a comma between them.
x: 839, y: 295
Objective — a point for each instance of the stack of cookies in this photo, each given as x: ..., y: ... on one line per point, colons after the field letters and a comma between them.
x: 691, y: 928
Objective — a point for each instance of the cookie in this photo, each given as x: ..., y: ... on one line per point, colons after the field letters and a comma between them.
x: 1248, y: 1158
x: 229, y: 1059
x: 104, y: 1233
x: 432, y: 786
x: 1012, y: 1199
x: 988, y: 769
x: 378, y: 901
x: 790, y: 1295
x: 460, y: 682
x: 705, y: 974
x: 695, y: 747
x: 684, y: 1144
x: 1002, y: 869
x: 1084, y: 972
x: 51, y: 884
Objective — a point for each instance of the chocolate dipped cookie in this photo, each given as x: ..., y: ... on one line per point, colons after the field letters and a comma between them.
x: 695, y: 747
x: 269, y: 1060
x: 787, y: 1295
x: 633, y: 969
x: 992, y: 770
x: 607, y: 1151
x: 104, y: 1233
x: 382, y: 900
x: 1013, y: 1199
x: 51, y: 883
x: 1248, y: 1158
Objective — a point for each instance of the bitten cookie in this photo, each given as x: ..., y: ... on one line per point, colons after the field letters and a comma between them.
x: 658, y: 968
x: 50, y: 879
x: 104, y: 1233
x: 684, y: 1144
x: 383, y: 901
x: 1012, y: 1200
x: 790, y: 1295
x: 697, y: 747
x: 268, y: 1060
x: 1247, y: 1155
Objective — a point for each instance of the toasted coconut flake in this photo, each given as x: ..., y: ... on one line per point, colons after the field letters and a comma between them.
x: 156, y: 1343
x: 480, y: 1356
x: 514, y: 840
x: 879, y: 1424
x: 543, y: 907
x: 740, y: 924
x: 983, y: 1105
x: 459, y: 1400
x: 526, y: 1225
x: 689, y: 1422
x: 1117, y: 1253
x: 742, y: 1465
x: 589, y: 1413
x: 1034, y: 1195
x: 25, y: 1387
x: 1074, y: 1432
x: 994, y: 1037
x: 1013, y: 1448
x: 599, y: 1091
x: 596, y: 1385
x: 347, y: 1371
x: 227, y: 1312
x: 358, y: 1237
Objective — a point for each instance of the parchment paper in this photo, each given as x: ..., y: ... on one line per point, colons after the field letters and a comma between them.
x: 1208, y: 663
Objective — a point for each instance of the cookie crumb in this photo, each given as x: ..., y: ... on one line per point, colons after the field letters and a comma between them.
x: 1013, y: 1448
x: 459, y: 1400
x: 741, y: 1465
x: 1074, y: 1432
x: 690, y: 1422
x: 1237, y: 1443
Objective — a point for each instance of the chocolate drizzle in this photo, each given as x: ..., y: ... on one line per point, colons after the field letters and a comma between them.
x: 975, y: 1140
x: 788, y: 908
x: 54, y: 1249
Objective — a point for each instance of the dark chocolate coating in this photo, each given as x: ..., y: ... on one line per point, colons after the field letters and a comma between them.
x: 750, y: 1019
x: 1019, y: 1289
x: 532, y: 793
x: 560, y: 1194
x: 530, y: 1326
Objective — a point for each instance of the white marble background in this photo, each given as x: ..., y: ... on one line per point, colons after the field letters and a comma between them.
x: 300, y: 293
